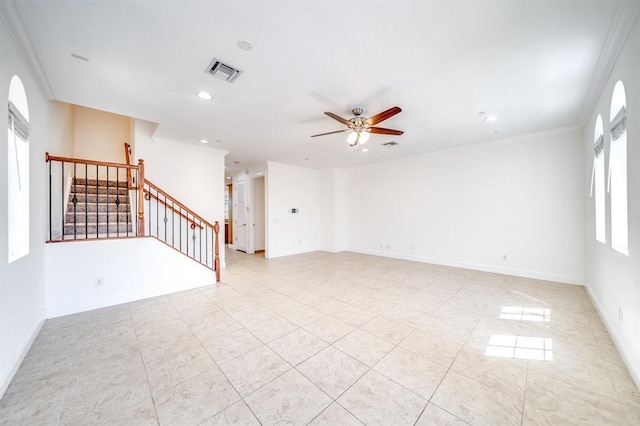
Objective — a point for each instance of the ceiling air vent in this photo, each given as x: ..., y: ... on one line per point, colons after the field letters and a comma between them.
x: 223, y: 71
x: 392, y: 143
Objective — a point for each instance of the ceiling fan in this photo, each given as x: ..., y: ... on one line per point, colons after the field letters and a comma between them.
x: 360, y: 128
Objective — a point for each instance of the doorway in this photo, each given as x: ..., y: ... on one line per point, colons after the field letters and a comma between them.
x: 259, y: 213
x: 240, y: 218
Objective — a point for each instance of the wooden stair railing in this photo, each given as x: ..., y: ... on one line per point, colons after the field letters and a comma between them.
x: 152, y: 193
x: 127, y: 156
x: 173, y: 221
x: 83, y: 194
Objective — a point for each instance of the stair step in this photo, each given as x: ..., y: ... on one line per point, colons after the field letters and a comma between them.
x: 101, y: 182
x: 93, y: 198
x: 81, y: 189
x: 100, y: 228
x: 100, y: 207
x: 114, y: 217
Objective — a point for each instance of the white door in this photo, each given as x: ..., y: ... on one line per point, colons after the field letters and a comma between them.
x: 258, y: 214
x: 240, y: 218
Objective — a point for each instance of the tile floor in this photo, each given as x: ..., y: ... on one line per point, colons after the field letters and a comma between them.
x: 331, y: 339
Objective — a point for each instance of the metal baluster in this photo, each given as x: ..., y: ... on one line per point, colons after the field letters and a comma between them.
x: 200, y: 241
x: 75, y: 200
x: 157, y: 214
x: 180, y: 226
x: 193, y: 237
x: 206, y: 247
x: 149, y: 194
x: 165, y: 219
x: 173, y: 224
x: 97, y: 203
x: 129, y: 210
x: 62, y: 200
x: 118, y: 201
x: 86, y: 198
x: 50, y: 224
x: 107, y: 200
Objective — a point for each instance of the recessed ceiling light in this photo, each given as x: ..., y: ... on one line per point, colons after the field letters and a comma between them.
x: 228, y: 177
x: 204, y: 141
x: 491, y: 118
x: 205, y: 95
x: 365, y: 149
x: 245, y: 44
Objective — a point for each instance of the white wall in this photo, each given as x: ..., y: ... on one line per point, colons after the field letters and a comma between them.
x: 22, y: 283
x: 100, y: 135
x: 194, y: 175
x: 327, y: 184
x: 130, y: 269
x: 613, y: 279
x: 333, y: 209
x: 293, y: 187
x: 472, y: 205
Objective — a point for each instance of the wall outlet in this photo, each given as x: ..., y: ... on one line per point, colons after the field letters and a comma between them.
x: 620, y: 314
x: 387, y: 246
x: 99, y: 282
x: 504, y: 257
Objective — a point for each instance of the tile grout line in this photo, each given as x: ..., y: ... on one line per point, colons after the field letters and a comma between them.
x: 218, y: 366
x: 144, y: 365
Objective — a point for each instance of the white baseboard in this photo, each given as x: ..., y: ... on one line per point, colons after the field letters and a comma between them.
x: 565, y: 279
x: 291, y: 252
x: 118, y: 299
x: 22, y: 352
x: 630, y: 360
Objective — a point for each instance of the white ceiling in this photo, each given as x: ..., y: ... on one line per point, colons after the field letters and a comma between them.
x: 530, y: 62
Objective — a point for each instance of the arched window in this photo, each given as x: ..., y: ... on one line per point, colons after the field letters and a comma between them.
x: 597, y: 180
x: 18, y: 171
x: 618, y: 170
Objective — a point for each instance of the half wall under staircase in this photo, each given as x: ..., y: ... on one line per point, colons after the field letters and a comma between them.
x: 94, y: 200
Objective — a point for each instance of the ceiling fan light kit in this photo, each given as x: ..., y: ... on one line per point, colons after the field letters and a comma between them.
x: 360, y: 128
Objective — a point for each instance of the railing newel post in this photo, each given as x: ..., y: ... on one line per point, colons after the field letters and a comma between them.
x: 216, y: 259
x: 140, y: 197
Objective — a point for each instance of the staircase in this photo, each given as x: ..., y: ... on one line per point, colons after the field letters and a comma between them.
x: 127, y: 206
x: 98, y: 208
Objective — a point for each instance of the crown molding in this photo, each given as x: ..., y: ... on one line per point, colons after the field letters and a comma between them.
x: 15, y: 26
x: 626, y: 15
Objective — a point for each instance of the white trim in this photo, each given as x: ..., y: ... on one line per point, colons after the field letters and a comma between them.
x: 289, y: 253
x: 534, y: 135
x: 556, y: 278
x: 199, y: 147
x: 22, y: 353
x: 15, y: 26
x: 625, y: 353
x: 627, y: 13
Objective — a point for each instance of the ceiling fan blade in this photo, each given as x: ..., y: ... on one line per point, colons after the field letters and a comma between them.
x: 373, y: 120
x: 383, y: 131
x: 329, y: 133
x: 340, y: 119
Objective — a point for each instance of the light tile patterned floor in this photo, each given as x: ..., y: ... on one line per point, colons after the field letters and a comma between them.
x: 331, y: 339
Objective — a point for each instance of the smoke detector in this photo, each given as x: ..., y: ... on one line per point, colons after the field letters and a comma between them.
x: 223, y: 71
